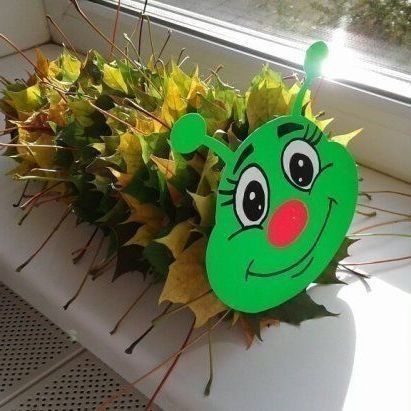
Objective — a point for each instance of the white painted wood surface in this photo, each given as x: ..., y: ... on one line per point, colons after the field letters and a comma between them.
x: 23, y: 22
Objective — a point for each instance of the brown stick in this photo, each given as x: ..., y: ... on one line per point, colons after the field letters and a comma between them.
x: 65, y: 215
x: 390, y: 260
x: 135, y: 302
x: 165, y: 315
x: 372, y: 214
x: 151, y: 41
x: 49, y: 200
x: 385, y: 210
x: 100, y: 268
x: 183, y: 60
x: 170, y: 370
x: 39, y: 195
x: 180, y: 55
x: 10, y: 43
x: 95, y: 28
x: 113, y: 38
x: 98, y: 31
x: 81, y: 251
x: 169, y: 32
x: 211, y: 371
x: 23, y: 194
x: 114, y: 117
x: 7, y: 130
x: 61, y: 32
x: 147, y: 113
x: 127, y: 388
x: 402, y: 220
x: 388, y: 192
x: 37, y: 146
x: 130, y: 348
x: 362, y: 277
x: 39, y: 72
x: 213, y: 72
x: 141, y: 28
x: 83, y: 281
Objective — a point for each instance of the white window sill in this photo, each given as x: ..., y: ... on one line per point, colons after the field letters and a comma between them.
x: 357, y: 361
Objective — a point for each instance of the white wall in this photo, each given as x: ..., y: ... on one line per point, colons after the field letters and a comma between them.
x: 23, y: 22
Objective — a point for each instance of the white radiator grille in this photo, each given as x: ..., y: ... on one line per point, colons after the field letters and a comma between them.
x: 30, y: 343
x: 41, y: 369
x: 82, y: 384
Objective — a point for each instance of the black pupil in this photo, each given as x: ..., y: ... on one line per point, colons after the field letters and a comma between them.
x: 254, y: 201
x: 301, y: 169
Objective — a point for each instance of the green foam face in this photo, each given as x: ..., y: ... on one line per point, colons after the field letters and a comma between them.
x: 286, y: 199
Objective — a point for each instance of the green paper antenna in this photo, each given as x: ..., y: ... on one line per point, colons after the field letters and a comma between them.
x: 190, y: 132
x: 314, y: 58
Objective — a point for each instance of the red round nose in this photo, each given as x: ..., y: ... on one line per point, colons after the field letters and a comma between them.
x: 287, y: 223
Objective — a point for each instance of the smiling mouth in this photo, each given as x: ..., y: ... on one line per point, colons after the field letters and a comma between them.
x: 249, y: 272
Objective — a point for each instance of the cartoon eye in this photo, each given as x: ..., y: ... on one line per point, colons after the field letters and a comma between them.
x: 251, y: 197
x: 300, y: 164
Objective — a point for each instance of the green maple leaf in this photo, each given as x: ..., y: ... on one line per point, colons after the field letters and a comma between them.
x: 329, y: 275
x: 300, y: 308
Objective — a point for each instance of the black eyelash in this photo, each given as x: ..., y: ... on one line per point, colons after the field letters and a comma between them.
x: 226, y: 192
x: 320, y: 136
x: 313, y: 139
x: 313, y: 134
x: 228, y: 202
x: 230, y: 192
x: 307, y: 128
x: 231, y: 181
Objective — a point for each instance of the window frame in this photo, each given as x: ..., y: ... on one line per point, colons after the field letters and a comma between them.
x: 384, y: 145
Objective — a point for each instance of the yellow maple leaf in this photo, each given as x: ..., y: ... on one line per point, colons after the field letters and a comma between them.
x: 205, y: 206
x: 209, y: 175
x: 54, y: 69
x: 123, y: 179
x: 197, y: 89
x: 42, y: 63
x: 176, y: 196
x: 42, y: 156
x: 196, y: 162
x: 25, y: 101
x: 21, y: 169
x: 174, y: 105
x: 145, y: 234
x: 322, y: 124
x: 187, y: 281
x: 147, y: 214
x: 165, y: 166
x: 130, y: 150
x: 344, y: 139
x: 57, y: 113
x: 113, y: 77
x: 147, y: 125
x: 142, y: 212
x: 177, y: 238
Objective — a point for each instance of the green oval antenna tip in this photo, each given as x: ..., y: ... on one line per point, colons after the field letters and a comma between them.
x: 188, y: 133
x: 314, y: 58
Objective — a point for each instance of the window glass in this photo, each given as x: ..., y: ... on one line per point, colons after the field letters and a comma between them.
x: 376, y: 31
